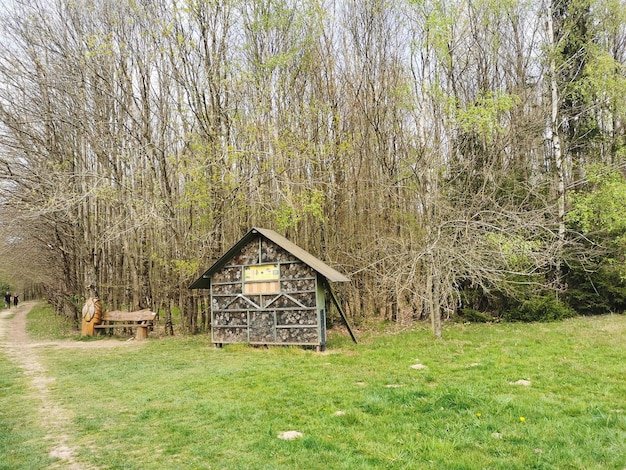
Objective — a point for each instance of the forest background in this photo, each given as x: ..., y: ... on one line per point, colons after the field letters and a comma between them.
x: 452, y: 157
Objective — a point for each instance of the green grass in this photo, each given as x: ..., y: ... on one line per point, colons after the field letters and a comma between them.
x: 179, y: 403
x: 22, y: 441
x: 43, y: 324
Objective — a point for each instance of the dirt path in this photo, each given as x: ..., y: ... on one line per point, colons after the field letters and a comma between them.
x: 53, y: 417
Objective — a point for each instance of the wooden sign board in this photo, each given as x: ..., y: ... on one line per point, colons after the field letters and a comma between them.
x: 261, y: 272
x: 272, y: 287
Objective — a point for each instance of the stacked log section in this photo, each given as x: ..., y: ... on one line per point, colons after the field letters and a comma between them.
x: 297, y: 335
x: 267, y: 300
x: 230, y: 335
x: 296, y: 271
x: 296, y: 317
x: 249, y: 254
x: 307, y: 299
x: 227, y: 274
x: 233, y: 302
x: 262, y: 327
x: 227, y: 288
x: 222, y: 302
x: 230, y: 319
x: 295, y: 300
x: 296, y: 285
x: 270, y: 252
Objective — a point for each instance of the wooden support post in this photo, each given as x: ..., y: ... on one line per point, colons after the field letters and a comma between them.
x: 341, y: 312
x: 142, y: 333
x: 87, y: 328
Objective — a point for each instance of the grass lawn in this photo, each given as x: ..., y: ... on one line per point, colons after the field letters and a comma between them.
x: 179, y: 403
x: 21, y: 439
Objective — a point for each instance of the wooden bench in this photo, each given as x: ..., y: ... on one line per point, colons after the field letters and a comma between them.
x: 140, y: 319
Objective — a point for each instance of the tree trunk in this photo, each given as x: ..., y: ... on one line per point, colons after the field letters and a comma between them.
x: 557, y: 150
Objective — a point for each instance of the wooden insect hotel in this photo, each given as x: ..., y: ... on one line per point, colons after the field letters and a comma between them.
x: 266, y: 290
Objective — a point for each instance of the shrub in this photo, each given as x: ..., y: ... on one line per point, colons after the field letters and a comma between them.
x: 542, y: 308
x: 474, y: 316
x: 596, y: 292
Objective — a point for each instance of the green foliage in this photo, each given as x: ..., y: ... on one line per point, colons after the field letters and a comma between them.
x: 515, y: 250
x: 515, y: 257
x: 440, y: 25
x: 5, y: 287
x: 597, y: 283
x: 606, y: 81
x: 541, y: 308
x: 297, y: 207
x: 184, y: 268
x: 596, y: 291
x: 598, y: 210
x: 484, y: 115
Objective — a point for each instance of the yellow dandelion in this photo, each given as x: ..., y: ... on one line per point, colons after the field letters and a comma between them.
x: 478, y: 415
x: 522, y: 419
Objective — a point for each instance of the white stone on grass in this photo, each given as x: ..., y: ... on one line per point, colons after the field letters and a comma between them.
x: 290, y: 435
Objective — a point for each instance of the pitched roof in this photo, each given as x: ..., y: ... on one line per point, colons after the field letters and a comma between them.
x: 204, y: 281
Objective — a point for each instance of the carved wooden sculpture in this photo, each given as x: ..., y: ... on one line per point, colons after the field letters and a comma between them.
x: 92, y: 315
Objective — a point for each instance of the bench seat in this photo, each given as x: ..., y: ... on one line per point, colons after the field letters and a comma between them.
x: 142, y: 320
x: 122, y: 325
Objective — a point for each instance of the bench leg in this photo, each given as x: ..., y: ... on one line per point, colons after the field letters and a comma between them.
x: 87, y: 328
x: 142, y: 333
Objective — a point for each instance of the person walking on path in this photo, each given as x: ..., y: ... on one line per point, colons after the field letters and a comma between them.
x: 7, y: 300
x: 16, y: 299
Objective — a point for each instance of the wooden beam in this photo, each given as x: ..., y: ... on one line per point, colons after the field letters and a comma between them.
x: 341, y: 312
